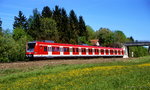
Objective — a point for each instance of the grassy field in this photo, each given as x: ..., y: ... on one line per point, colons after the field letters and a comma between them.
x: 125, y: 75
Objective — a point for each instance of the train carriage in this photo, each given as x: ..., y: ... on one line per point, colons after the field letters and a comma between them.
x: 43, y: 49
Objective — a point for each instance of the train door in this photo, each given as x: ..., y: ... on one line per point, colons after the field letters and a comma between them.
x: 43, y: 50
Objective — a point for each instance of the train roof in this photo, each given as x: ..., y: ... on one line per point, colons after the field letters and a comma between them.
x: 62, y: 44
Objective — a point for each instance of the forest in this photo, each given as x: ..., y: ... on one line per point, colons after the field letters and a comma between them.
x: 60, y: 27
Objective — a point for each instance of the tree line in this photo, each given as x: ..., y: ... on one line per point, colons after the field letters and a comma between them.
x: 55, y: 24
x: 109, y: 38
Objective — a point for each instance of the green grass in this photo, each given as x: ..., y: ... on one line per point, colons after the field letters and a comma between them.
x: 125, y: 75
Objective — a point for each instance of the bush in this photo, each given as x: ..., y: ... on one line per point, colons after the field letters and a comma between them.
x: 13, y: 49
x: 138, y: 51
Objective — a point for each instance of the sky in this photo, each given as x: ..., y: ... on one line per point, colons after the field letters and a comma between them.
x: 130, y: 16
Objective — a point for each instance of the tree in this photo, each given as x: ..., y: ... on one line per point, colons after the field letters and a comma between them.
x: 73, y: 22
x: 34, y: 25
x: 119, y: 36
x: 119, y: 39
x: 18, y: 33
x: 0, y: 27
x: 91, y: 32
x: 58, y: 18
x: 138, y: 51
x: 82, y: 28
x: 106, y: 37
x: 48, y: 30
x: 0, y: 24
x: 46, y: 12
x: 64, y: 32
x: 20, y: 21
x: 130, y: 39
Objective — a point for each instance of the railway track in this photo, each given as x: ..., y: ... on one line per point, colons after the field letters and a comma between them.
x: 53, y: 62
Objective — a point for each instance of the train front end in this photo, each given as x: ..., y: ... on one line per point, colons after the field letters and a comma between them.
x: 30, y: 47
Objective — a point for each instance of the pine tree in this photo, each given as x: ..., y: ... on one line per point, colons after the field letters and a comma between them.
x: 34, y: 25
x: 57, y: 14
x: 0, y: 24
x: 58, y: 18
x: 82, y: 28
x: 20, y: 21
x: 65, y: 33
x: 0, y: 27
x: 73, y: 21
x: 46, y: 12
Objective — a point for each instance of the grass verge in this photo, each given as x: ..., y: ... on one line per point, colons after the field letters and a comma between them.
x: 132, y: 74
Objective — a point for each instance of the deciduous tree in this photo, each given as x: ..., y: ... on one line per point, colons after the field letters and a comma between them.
x: 49, y: 30
x: 119, y: 36
x: 106, y: 37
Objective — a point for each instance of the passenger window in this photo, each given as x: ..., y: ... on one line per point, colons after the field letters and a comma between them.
x: 83, y: 50
x: 45, y: 49
x: 55, y: 49
x: 66, y: 49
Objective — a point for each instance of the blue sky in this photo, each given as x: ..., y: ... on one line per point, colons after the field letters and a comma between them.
x: 130, y: 16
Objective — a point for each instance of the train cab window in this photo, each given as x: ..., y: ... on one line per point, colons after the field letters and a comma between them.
x: 45, y: 49
x: 30, y: 47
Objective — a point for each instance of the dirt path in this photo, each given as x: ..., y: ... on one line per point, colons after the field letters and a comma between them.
x: 53, y: 62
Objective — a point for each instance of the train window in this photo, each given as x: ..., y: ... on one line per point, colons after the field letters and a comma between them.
x: 66, y: 49
x: 83, y: 50
x: 96, y: 50
x: 55, y: 49
x: 119, y: 51
x: 75, y: 50
x: 31, y: 47
x: 45, y: 49
x: 111, y: 51
x: 115, y: 51
x: 90, y: 50
x: 106, y: 51
x: 102, y: 51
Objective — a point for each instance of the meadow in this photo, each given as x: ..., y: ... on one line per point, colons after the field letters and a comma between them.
x: 124, y: 75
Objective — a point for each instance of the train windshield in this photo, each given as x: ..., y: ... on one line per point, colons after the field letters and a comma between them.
x: 31, y: 47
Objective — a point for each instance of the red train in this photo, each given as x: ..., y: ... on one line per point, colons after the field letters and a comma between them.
x: 39, y: 49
